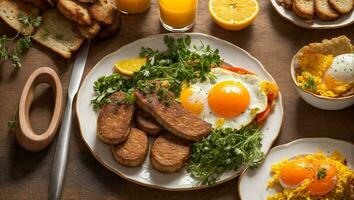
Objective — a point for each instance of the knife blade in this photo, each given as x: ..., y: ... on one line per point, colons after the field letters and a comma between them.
x: 62, y: 147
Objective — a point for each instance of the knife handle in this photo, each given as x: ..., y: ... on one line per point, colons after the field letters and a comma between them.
x: 61, y: 154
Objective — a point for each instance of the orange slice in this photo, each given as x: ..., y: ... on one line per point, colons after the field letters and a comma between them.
x: 128, y: 67
x: 233, y: 14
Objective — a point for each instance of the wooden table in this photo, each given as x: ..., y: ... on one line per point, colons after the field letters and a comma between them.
x: 271, y: 39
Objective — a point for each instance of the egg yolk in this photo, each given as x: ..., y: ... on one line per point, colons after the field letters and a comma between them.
x: 228, y: 99
x: 324, y: 180
x: 295, y: 172
x: 187, y: 102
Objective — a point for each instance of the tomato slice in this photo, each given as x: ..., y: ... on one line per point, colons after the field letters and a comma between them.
x: 238, y: 70
x: 261, y: 117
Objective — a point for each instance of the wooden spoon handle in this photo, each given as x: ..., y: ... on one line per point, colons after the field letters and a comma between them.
x: 27, y: 137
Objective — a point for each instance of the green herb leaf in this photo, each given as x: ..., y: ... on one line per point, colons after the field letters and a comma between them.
x: 322, y: 173
x: 310, y: 84
x: 179, y: 64
x: 224, y: 150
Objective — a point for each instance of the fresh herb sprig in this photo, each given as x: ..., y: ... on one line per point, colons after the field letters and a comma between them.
x: 310, y: 83
x: 181, y: 62
x: 322, y: 173
x: 224, y: 150
x: 23, y: 41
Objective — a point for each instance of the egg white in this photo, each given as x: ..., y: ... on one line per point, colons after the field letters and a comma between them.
x: 258, y: 99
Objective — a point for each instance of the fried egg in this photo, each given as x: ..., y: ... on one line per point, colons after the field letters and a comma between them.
x: 295, y: 172
x: 232, y: 101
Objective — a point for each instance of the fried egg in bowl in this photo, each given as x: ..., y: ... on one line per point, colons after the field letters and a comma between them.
x: 324, y: 73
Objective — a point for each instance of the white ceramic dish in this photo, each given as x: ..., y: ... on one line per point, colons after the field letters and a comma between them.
x: 253, y: 183
x: 325, y: 103
x: 146, y: 175
x: 288, y: 15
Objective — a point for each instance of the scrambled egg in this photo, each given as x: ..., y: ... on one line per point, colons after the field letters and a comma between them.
x: 311, y: 75
x: 300, y: 192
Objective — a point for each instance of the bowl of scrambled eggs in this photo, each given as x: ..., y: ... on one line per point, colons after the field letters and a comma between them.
x: 323, y: 73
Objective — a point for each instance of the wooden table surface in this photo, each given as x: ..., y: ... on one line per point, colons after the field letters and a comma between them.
x: 271, y: 39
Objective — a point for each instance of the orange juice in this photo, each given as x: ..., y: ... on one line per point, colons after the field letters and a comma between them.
x: 178, y: 13
x: 133, y: 6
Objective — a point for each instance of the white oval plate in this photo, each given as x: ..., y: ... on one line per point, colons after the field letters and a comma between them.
x: 259, y: 177
x: 146, y: 175
x: 289, y: 15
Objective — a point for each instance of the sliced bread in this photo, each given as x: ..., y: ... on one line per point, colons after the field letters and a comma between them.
x: 75, y: 11
x: 103, y: 11
x: 10, y: 10
x: 324, y: 11
x: 304, y: 8
x: 56, y: 33
x: 342, y: 6
x: 89, y: 32
x: 286, y: 3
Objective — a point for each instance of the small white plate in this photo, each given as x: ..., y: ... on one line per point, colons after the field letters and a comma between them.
x: 146, y: 175
x: 289, y: 15
x: 253, y: 183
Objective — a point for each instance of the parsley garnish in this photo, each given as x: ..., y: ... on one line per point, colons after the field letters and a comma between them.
x: 310, y: 84
x: 321, y: 174
x: 224, y: 150
x: 181, y: 62
x: 23, y: 42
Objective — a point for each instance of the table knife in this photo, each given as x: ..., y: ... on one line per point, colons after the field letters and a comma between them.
x: 62, y: 147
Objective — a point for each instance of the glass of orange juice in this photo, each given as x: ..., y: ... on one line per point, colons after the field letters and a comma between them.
x: 178, y: 15
x: 133, y: 6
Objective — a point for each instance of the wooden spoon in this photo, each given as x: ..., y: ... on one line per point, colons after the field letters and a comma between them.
x: 27, y: 137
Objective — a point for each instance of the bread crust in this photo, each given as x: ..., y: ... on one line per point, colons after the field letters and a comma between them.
x: 10, y: 18
x: 114, y: 119
x: 169, y: 153
x: 304, y: 8
x: 133, y: 151
x: 103, y: 11
x: 75, y: 11
x: 342, y: 6
x: 56, y: 33
x: 324, y: 11
x: 173, y: 117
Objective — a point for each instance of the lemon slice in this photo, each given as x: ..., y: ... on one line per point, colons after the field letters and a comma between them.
x: 233, y: 14
x: 129, y: 66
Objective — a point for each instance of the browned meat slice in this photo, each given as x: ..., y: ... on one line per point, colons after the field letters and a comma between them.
x: 147, y: 123
x: 173, y: 117
x: 169, y: 153
x: 113, y: 122
x: 133, y: 151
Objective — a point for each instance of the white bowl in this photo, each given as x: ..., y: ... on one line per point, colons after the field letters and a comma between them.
x: 318, y: 101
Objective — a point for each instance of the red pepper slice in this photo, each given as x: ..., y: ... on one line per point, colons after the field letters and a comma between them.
x: 261, y: 117
x: 238, y: 70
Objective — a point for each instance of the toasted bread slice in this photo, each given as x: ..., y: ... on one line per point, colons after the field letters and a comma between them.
x: 335, y: 46
x: 304, y: 8
x: 169, y: 153
x: 89, y: 32
x: 110, y: 30
x: 286, y: 3
x: 75, y: 11
x: 41, y: 4
x: 342, y: 6
x: 324, y: 11
x: 56, y: 33
x: 133, y: 151
x: 103, y: 11
x: 10, y: 10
